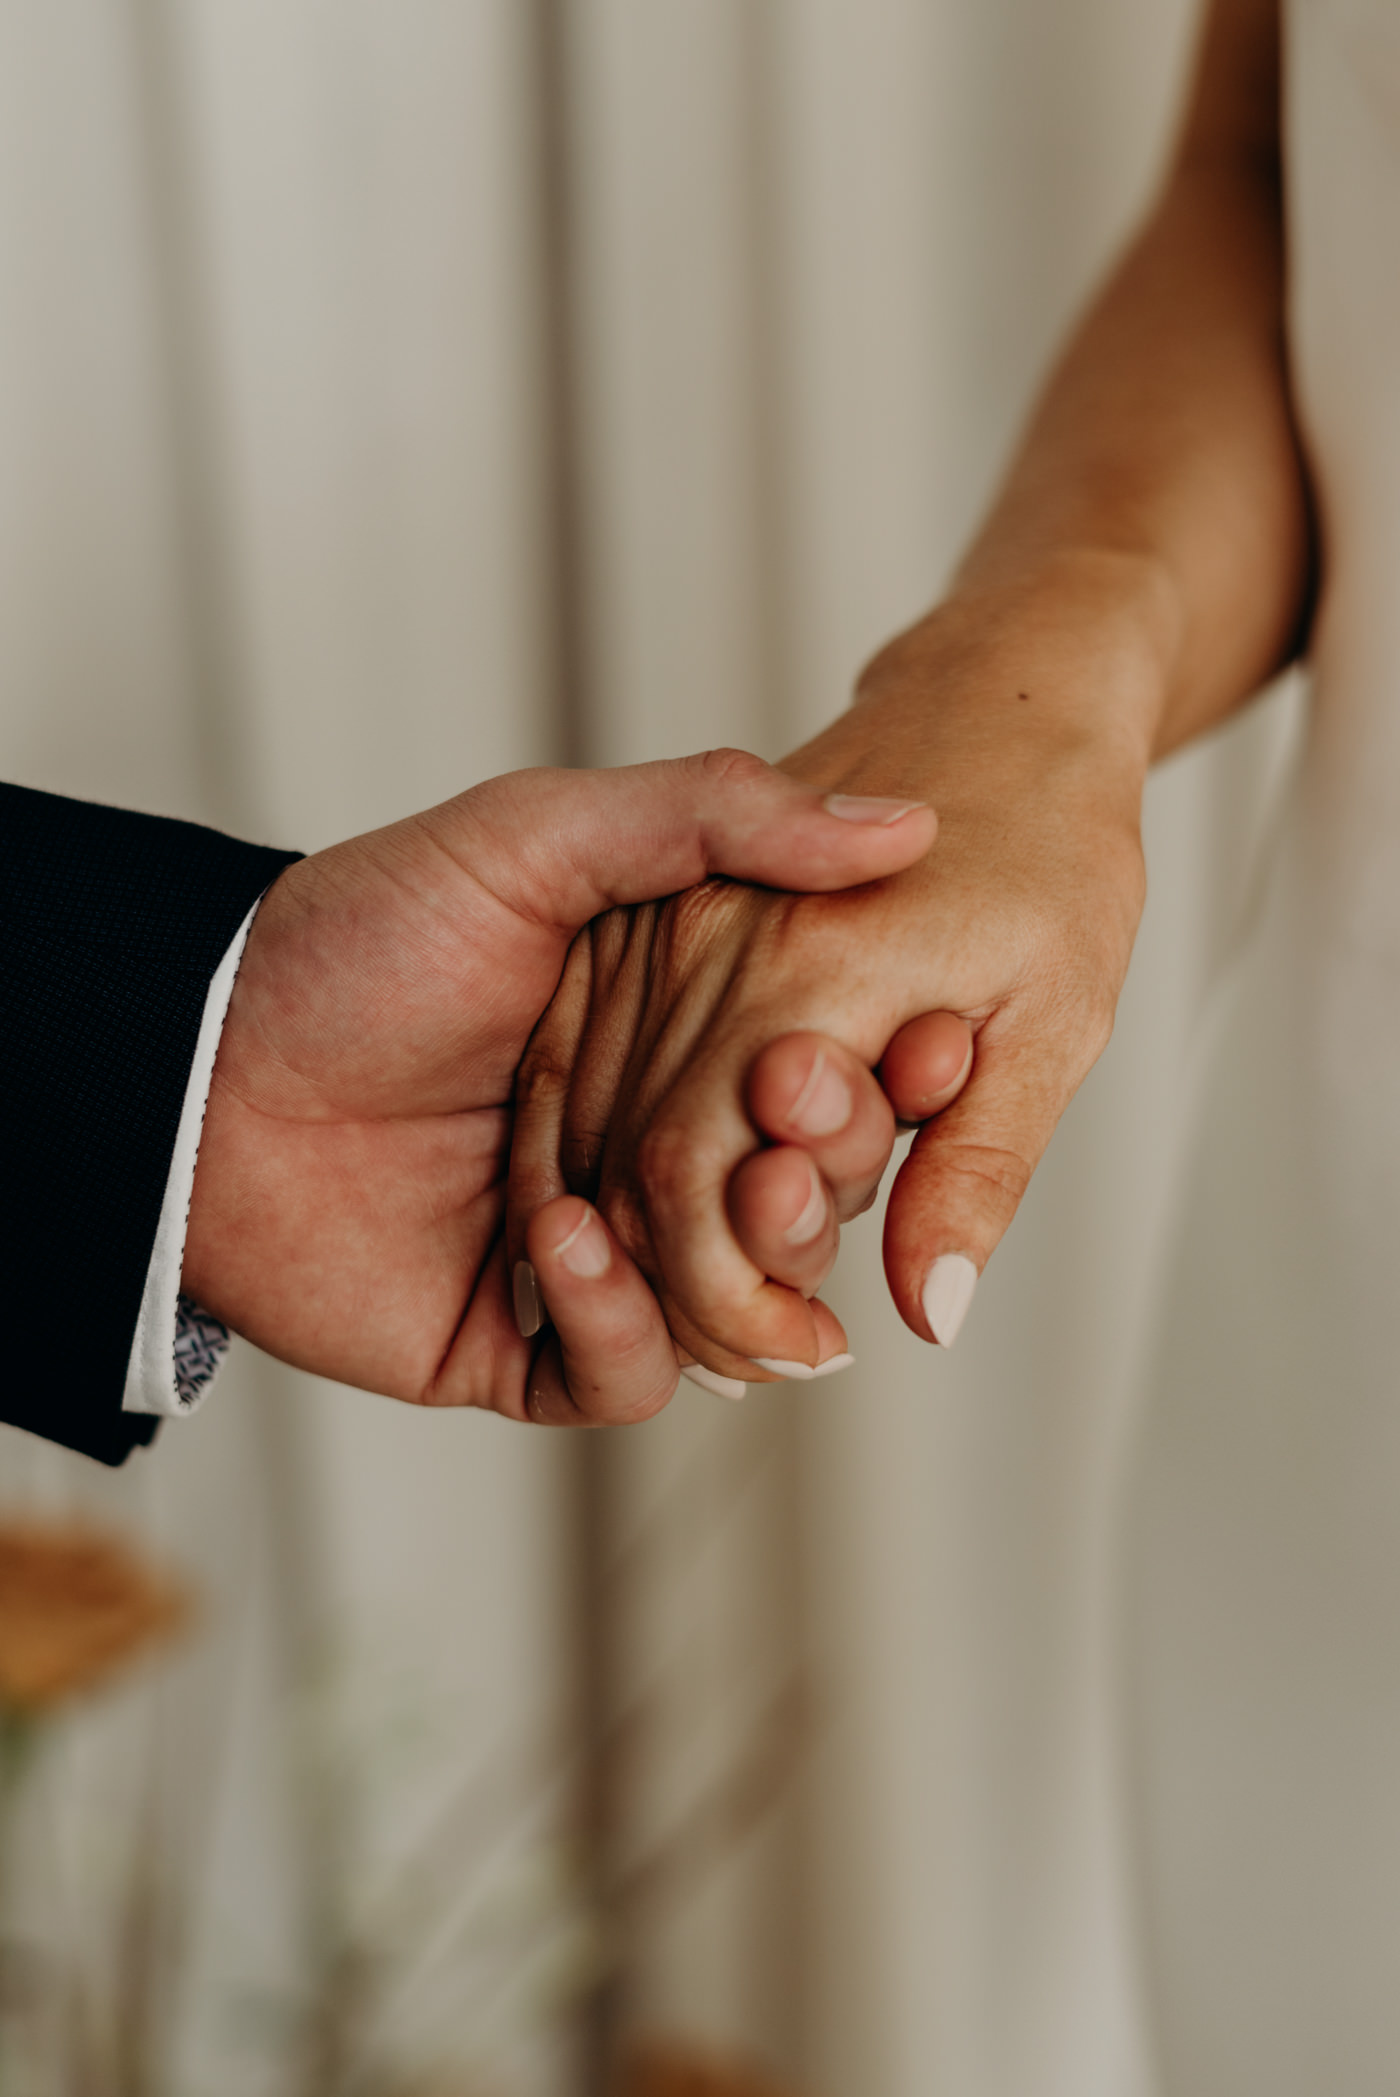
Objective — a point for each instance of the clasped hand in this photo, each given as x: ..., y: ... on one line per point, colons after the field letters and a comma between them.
x: 527, y: 1100
x: 717, y: 1084
x: 350, y: 1192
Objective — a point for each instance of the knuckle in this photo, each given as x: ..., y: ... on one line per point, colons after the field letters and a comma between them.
x: 461, y: 1378
x: 581, y: 1149
x: 665, y: 1162
x: 689, y: 915
x: 729, y: 768
x: 691, y: 920
x: 625, y: 1399
x: 607, y: 939
x: 626, y: 1376
x: 806, y: 937
x: 542, y: 1080
x: 626, y: 1219
x: 995, y: 1172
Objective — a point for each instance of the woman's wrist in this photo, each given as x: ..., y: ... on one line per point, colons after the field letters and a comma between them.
x: 1070, y: 661
x: 1086, y: 640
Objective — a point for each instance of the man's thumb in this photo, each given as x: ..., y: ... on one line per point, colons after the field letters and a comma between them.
x: 562, y: 845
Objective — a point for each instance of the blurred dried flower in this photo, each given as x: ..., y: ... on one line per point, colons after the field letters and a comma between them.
x: 74, y: 1605
x: 669, y: 2068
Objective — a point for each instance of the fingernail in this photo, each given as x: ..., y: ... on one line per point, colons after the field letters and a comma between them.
x: 529, y: 1304
x: 947, y: 1294
x: 711, y: 1380
x: 823, y: 1106
x: 800, y: 1372
x: 585, y: 1252
x: 878, y: 809
x: 812, y: 1222
x: 836, y: 1363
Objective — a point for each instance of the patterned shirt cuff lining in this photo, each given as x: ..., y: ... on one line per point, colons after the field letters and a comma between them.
x: 201, y: 1343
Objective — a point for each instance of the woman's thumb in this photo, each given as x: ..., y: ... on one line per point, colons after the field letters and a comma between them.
x: 961, y: 1184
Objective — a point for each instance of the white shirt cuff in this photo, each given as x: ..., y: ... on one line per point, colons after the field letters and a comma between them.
x: 178, y: 1349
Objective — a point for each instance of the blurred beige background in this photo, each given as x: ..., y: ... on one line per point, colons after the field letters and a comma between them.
x: 394, y: 394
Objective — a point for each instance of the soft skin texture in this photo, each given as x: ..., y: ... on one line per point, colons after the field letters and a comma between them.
x: 1147, y: 566
x: 349, y: 1198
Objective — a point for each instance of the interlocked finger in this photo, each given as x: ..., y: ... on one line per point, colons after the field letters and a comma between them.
x: 609, y: 1359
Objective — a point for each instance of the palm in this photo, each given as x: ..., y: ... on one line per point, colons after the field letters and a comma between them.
x: 361, y: 1111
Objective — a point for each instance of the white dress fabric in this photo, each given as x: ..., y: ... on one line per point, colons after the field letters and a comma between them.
x: 1262, y: 1596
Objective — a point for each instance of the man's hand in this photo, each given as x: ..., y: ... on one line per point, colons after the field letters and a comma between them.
x: 348, y: 1203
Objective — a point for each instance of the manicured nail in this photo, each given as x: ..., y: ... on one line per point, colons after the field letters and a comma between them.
x: 799, y: 1372
x: 823, y: 1106
x: 529, y: 1304
x: 585, y: 1252
x: 711, y: 1380
x: 836, y: 1363
x: 870, y: 808
x: 947, y: 1294
x: 812, y: 1222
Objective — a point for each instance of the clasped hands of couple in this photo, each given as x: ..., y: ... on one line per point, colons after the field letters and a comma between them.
x: 532, y: 1099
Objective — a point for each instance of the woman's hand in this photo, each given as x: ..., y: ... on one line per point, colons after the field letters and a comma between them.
x: 686, y: 1033
x: 1147, y: 566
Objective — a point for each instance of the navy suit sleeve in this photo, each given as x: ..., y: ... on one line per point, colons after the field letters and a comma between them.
x: 111, y: 927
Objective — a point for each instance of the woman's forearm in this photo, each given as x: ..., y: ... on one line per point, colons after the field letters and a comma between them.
x: 1160, y: 486
x: 1145, y: 567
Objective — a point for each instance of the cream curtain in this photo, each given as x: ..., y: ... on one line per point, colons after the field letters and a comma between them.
x: 391, y: 395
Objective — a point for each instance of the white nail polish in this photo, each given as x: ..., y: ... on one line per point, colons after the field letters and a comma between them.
x: 836, y: 1363
x: 529, y: 1304
x: 812, y: 1222
x: 947, y: 1293
x: 711, y: 1380
x: 799, y: 1372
